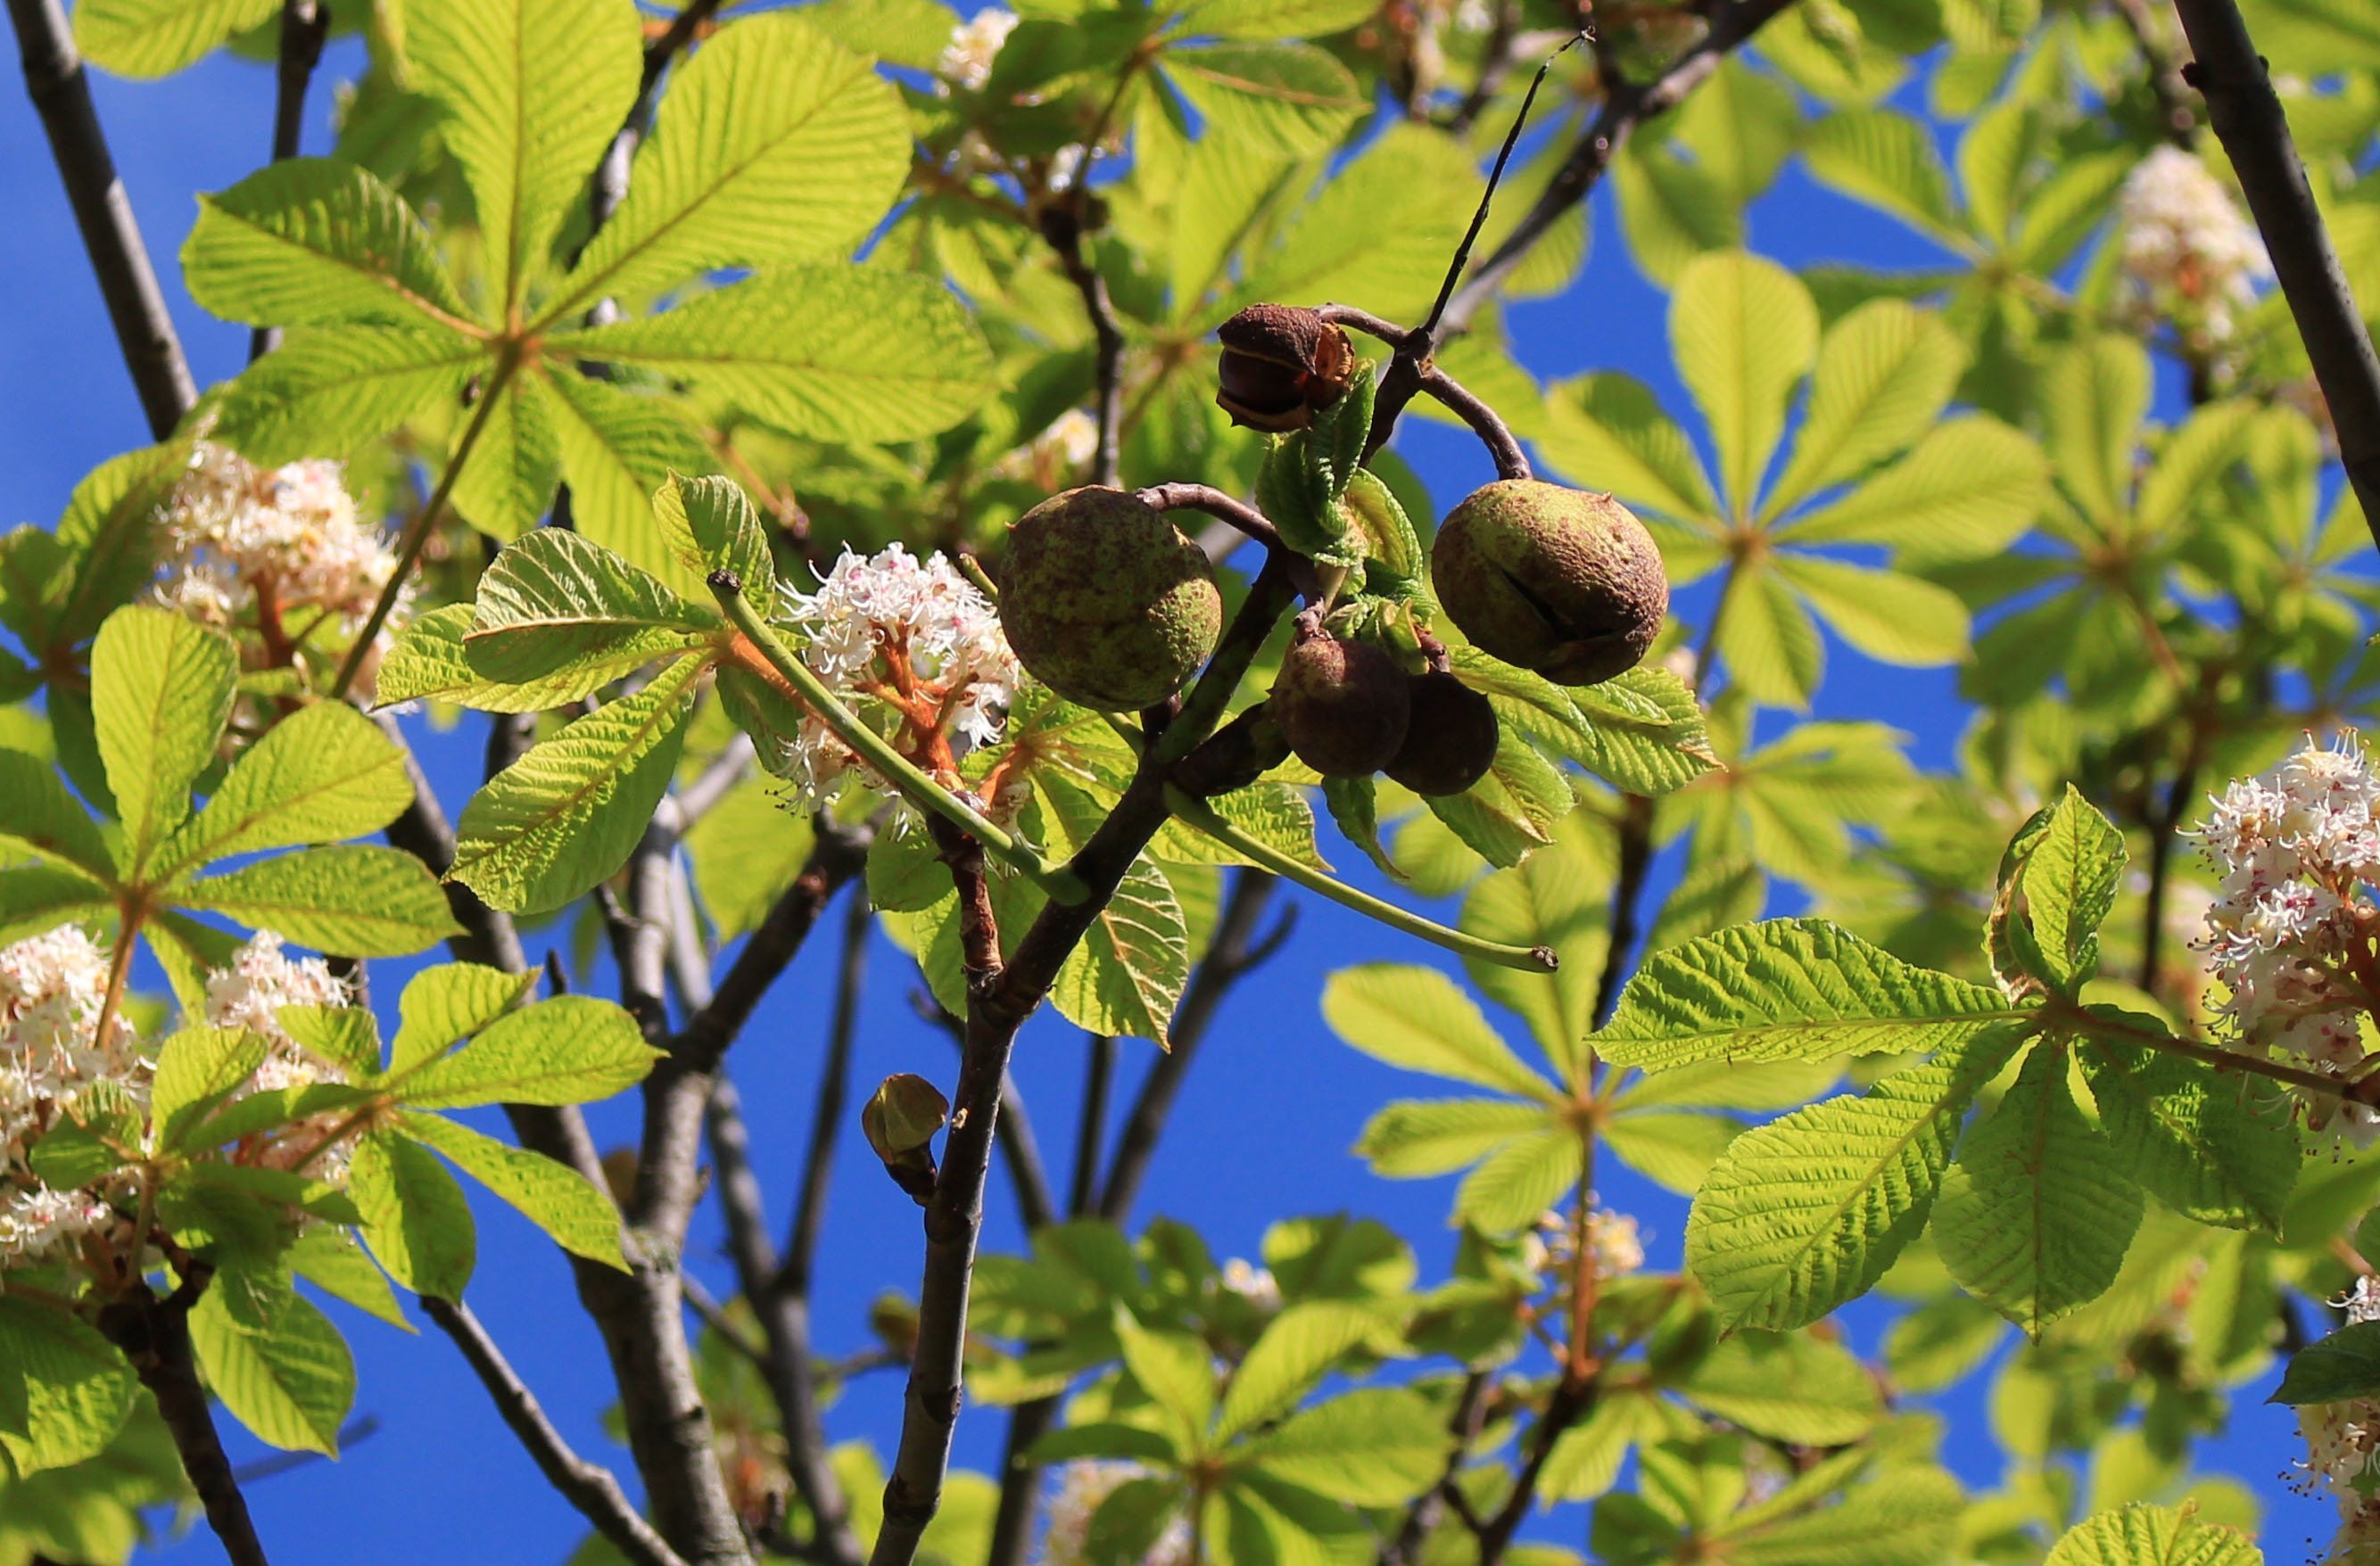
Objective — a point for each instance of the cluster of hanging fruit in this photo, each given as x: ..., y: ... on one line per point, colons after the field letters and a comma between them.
x: 1108, y: 603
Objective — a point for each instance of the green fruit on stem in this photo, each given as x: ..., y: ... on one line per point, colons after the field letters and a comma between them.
x: 1343, y: 705
x: 1105, y: 601
x: 1561, y: 581
x: 1451, y: 737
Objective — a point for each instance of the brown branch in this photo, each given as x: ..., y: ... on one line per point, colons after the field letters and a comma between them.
x: 2179, y: 123
x: 1421, y: 1519
x: 1020, y: 1149
x: 1627, y: 892
x: 839, y: 855
x: 2246, y: 116
x: 589, y: 1487
x: 154, y: 1335
x: 1484, y: 420
x: 144, y: 330
x: 1061, y: 225
x: 1214, y: 502
x: 304, y: 25
x: 1090, y: 1129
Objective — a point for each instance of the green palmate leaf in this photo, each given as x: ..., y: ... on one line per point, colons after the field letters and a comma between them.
x: 531, y: 92
x: 1225, y: 183
x: 2037, y: 1214
x: 2095, y: 394
x: 618, y: 446
x: 195, y: 1068
x: 1585, y: 1460
x: 2142, y: 1535
x: 153, y: 37
x: 429, y: 664
x: 44, y: 819
x: 2339, y: 1368
x: 1644, y: 732
x: 363, y: 900
x: 331, y: 1260
x: 1970, y: 487
x: 1891, y: 617
x: 416, y: 1219
x: 1336, y: 249
x: 566, y: 1051
x: 1744, y: 330
x: 1287, y: 98
x: 448, y: 1002
x: 566, y: 614
x: 334, y: 389
x: 710, y: 524
x: 1885, y: 373
x: 1767, y: 641
x: 161, y: 689
x: 1788, y: 1388
x: 276, y: 1362
x: 838, y: 353
x: 1411, y: 1138
x: 1419, y: 1019
x: 1177, y: 1373
x: 63, y: 1390
x: 110, y: 529
x: 748, y: 849
x: 1292, y: 1353
x: 1510, y: 813
x: 774, y: 144
x: 1131, y: 1518
x: 310, y: 241
x: 2199, y: 1140
x: 1518, y: 1183
x: 1275, y: 19
x: 1674, y: 1151
x: 1906, y: 1516
x: 1126, y: 977
x: 1261, y: 1517
x: 1672, y: 209
x: 507, y: 482
x: 1885, y: 159
x: 1378, y: 1447
x: 2067, y: 881
x: 321, y: 773
x: 1275, y: 814
x: 577, y: 1216
x: 1610, y: 430
x: 348, y: 1036
x: 1558, y: 900
x: 1806, y: 1213
x: 568, y: 814
x: 1788, y: 989
x: 1353, y: 803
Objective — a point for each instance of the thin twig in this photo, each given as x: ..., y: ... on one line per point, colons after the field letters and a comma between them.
x: 1214, y: 502
x: 589, y: 1487
x: 1627, y: 892
x: 1497, y: 59
x: 1484, y: 420
x: 154, y: 1335
x: 838, y: 855
x: 1091, y: 1130
x: 304, y: 25
x: 2180, y: 124
x: 1062, y: 227
x: 2246, y: 116
x: 1470, y: 1411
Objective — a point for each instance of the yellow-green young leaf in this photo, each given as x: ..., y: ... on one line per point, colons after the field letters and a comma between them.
x: 1292, y: 1353
x: 2209, y: 1149
x: 1419, y: 1019
x: 1969, y: 488
x: 321, y: 773
x: 1885, y: 373
x: 2341, y: 1367
x: 1586, y: 1458
x: 1742, y: 329
x: 531, y: 91
x: 710, y: 524
x: 1378, y: 1447
x: 1726, y: 1085
x: 416, y: 1221
x: 153, y: 37
x: 365, y: 901
x: 2191, y: 463
x: 1275, y: 814
x: 1725, y: 889
x: 1789, y: 1388
x: 309, y: 242
x: 1768, y: 643
x: 2142, y: 1535
x: 332, y: 1260
x: 1891, y: 617
x: 1226, y: 182
x: 276, y: 1362
x: 1788, y: 989
x: 1287, y: 98
x: 1643, y: 731
x: 2067, y: 208
x: 1557, y: 899
x: 618, y: 446
x: 571, y: 1050
x: 1510, y: 813
x: 568, y: 814
x: 429, y: 664
x: 1607, y: 431
x: 1906, y: 1515
x: 1994, y: 156
x: 63, y: 1390
x: 1126, y: 977
x: 1806, y: 1213
x: 44, y: 819
x: 1740, y: 124
x: 1672, y: 211
x: 555, y: 1197
x: 1941, y: 1342
x: 1259, y: 1517
x: 160, y: 688
x: 348, y: 1036
x: 1673, y: 1151
x: 2069, y: 878
x: 561, y: 612
x: 195, y: 1068
x: 507, y: 478
x: 1130, y: 1518
x: 1885, y: 159
x: 1336, y: 248
x: 2094, y: 396
x: 1177, y: 1373
x: 449, y: 1002
x: 1414, y: 1137
x: 747, y: 849
x: 2036, y: 1216
x: 774, y: 144
x: 1516, y: 1185
x: 1275, y: 19
x: 332, y: 389
x: 837, y: 353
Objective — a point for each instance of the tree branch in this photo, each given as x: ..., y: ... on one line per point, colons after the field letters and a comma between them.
x: 2181, y: 125
x: 2247, y: 118
x: 1627, y: 891
x: 1091, y: 1130
x: 304, y: 25
x: 144, y: 330
x: 839, y: 854
x: 154, y: 1335
x: 1061, y: 225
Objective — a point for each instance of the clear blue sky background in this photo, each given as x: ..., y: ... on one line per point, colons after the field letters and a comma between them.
x: 1263, y: 1126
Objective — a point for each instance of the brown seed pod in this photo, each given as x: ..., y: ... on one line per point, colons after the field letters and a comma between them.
x: 1559, y: 580
x: 1105, y: 601
x: 1341, y: 705
x: 1280, y: 363
x: 1451, y: 740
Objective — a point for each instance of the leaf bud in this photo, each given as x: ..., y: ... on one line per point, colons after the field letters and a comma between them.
x: 900, y: 1122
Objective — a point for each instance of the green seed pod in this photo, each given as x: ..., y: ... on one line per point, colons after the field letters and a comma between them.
x: 1558, y: 580
x: 1451, y: 739
x: 1341, y: 705
x: 1105, y: 600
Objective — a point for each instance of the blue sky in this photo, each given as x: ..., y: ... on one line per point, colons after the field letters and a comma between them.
x: 1263, y: 1122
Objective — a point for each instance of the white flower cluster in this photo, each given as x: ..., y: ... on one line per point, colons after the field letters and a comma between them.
x: 2289, y: 933
x: 974, y: 44
x: 249, y: 994
x: 1056, y: 456
x: 1080, y: 1489
x: 1254, y: 1284
x: 281, y: 550
x: 2343, y: 1452
x: 912, y: 632
x: 2190, y: 254
x: 52, y: 989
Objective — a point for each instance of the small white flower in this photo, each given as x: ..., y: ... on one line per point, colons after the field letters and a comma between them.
x: 1080, y: 1489
x: 249, y: 994
x: 974, y: 45
x: 1619, y: 1249
x: 1254, y: 1284
x: 2190, y: 254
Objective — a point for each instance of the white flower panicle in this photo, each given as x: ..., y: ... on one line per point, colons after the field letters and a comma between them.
x: 1254, y: 1284
x: 249, y: 994
x: 2343, y: 1452
x: 1056, y: 456
x: 974, y: 44
x: 247, y: 547
x: 2190, y: 254
x: 52, y: 989
x: 1618, y: 1247
x: 891, y: 628
x: 1080, y: 1488
x: 2289, y: 929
